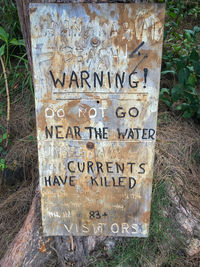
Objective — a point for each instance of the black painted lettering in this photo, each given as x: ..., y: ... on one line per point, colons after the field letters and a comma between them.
x: 136, y: 50
x: 106, y: 184
x: 130, y: 134
x: 133, y: 112
x: 63, y: 182
x: 138, y: 132
x: 114, y: 183
x: 100, y: 80
x: 84, y: 76
x: 144, y: 133
x: 120, y: 134
x: 151, y: 134
x: 132, y: 83
x: 58, y: 132
x: 71, y: 180
x: 93, y: 180
x: 69, y: 132
x: 56, y: 181
x: 57, y: 80
x: 90, y: 131
x: 98, y: 133
x: 109, y: 167
x: 120, y: 79
x: 99, y: 167
x: 105, y: 132
x: 121, y: 180
x: 142, y: 169
x: 81, y: 168
x: 131, y: 166
x: 69, y: 167
x: 49, y: 133
x: 132, y: 182
x: 73, y: 78
x: 77, y: 132
x: 120, y: 168
x: 109, y: 81
x: 89, y: 166
x: 120, y: 114
x: 47, y: 181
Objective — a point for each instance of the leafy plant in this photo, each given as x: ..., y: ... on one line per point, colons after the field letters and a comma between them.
x: 4, y: 36
x: 181, y: 62
x: 4, y: 57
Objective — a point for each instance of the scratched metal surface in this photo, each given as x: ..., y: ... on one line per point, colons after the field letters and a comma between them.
x: 96, y: 136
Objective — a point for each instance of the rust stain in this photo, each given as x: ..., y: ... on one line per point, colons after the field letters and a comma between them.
x: 146, y: 217
x: 112, y: 13
x: 32, y: 10
x: 41, y: 121
x: 43, y: 248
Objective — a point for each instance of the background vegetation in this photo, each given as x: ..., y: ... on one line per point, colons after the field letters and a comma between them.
x: 180, y: 101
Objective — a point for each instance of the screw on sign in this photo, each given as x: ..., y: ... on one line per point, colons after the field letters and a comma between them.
x: 95, y: 41
x: 90, y: 145
x: 96, y: 78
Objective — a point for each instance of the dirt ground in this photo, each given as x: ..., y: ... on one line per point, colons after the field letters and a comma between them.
x: 177, y: 161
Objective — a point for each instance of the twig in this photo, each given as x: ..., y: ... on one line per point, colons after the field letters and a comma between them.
x: 71, y: 242
x: 8, y: 99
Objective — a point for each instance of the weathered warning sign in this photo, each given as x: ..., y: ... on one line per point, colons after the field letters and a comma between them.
x: 96, y: 77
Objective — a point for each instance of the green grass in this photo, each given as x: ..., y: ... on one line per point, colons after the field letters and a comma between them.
x: 164, y: 245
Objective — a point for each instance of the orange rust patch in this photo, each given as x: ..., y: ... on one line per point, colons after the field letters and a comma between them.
x: 146, y: 217
x: 43, y: 248
x: 41, y: 120
x: 32, y: 10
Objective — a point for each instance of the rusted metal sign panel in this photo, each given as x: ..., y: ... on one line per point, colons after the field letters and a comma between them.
x: 96, y: 77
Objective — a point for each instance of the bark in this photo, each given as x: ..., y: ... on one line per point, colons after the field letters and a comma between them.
x: 30, y: 248
x: 29, y: 245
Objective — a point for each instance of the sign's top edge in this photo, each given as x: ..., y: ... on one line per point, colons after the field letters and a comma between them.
x: 32, y: 3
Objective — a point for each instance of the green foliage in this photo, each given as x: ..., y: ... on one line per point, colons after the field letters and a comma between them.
x: 13, y: 50
x: 3, y: 152
x: 13, y: 57
x: 7, y: 42
x: 181, y: 61
x: 9, y: 18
